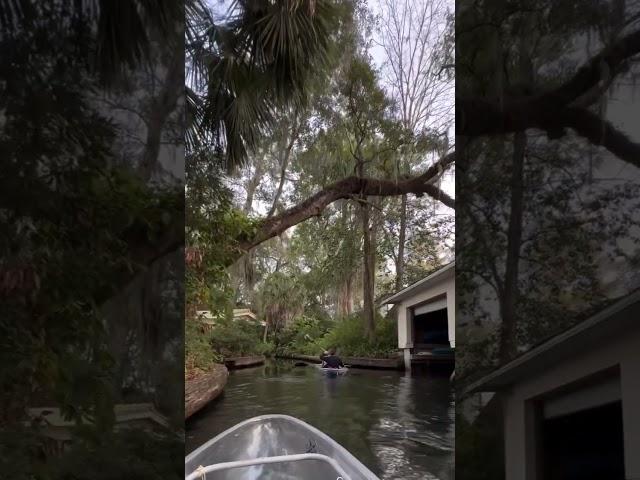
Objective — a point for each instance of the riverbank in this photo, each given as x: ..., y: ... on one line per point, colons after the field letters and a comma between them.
x: 355, y: 362
x: 201, y: 387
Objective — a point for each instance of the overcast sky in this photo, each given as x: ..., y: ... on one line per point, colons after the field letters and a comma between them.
x: 378, y: 54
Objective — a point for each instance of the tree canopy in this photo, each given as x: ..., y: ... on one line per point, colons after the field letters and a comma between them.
x: 546, y: 212
x: 331, y: 181
x: 83, y: 229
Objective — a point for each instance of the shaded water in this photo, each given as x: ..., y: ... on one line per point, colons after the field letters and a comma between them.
x: 399, y: 426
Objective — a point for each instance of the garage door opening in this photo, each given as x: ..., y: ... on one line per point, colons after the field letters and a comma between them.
x: 431, y: 326
x: 582, y: 436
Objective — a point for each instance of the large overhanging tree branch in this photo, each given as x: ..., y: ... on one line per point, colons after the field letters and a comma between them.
x: 347, y: 188
x: 558, y: 109
x: 600, y: 132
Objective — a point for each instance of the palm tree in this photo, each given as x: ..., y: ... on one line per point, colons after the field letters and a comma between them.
x: 121, y: 28
x: 246, y: 63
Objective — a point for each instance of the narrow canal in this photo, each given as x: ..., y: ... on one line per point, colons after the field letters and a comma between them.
x: 400, y: 426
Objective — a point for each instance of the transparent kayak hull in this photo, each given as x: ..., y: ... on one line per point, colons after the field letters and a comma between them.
x: 274, y: 447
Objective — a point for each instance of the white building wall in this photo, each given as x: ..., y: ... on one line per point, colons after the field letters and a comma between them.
x: 442, y: 286
x: 625, y: 352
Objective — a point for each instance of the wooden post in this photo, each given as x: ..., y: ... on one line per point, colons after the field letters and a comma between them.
x: 407, y: 359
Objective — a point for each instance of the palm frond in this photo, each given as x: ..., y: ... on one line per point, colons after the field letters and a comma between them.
x: 236, y: 111
x: 15, y: 15
x: 257, y: 59
x: 195, y: 135
x: 122, y: 28
x: 288, y: 38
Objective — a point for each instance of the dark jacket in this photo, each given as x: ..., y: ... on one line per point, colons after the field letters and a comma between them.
x: 331, y: 361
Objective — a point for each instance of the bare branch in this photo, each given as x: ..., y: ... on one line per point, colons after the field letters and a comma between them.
x: 412, y: 39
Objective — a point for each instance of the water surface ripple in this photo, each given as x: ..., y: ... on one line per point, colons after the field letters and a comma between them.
x: 400, y: 426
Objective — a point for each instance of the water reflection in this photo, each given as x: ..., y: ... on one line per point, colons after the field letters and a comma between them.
x: 399, y: 426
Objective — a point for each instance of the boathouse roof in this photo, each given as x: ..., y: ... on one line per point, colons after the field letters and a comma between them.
x: 408, y: 292
x: 612, y: 320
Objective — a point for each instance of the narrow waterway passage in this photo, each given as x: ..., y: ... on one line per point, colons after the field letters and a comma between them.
x: 400, y: 426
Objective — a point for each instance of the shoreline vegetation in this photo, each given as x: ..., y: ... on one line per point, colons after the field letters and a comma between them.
x: 307, y: 335
x: 311, y: 336
x: 211, y: 350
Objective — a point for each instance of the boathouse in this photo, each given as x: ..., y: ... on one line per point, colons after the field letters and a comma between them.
x: 58, y: 430
x: 207, y: 320
x: 426, y: 317
x: 571, y: 405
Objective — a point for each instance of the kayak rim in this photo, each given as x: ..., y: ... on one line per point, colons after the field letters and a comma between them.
x: 216, y: 467
x: 260, y: 418
x: 328, y: 369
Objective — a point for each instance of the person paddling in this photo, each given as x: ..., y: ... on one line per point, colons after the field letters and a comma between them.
x: 324, y: 355
x: 330, y: 359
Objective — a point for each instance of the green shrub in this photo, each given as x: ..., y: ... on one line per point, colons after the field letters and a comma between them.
x: 348, y: 336
x: 197, y: 348
x: 302, y: 332
x: 481, y: 447
x: 266, y: 348
x: 237, y: 338
x: 311, y: 336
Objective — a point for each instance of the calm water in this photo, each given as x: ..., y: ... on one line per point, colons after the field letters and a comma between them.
x: 400, y: 426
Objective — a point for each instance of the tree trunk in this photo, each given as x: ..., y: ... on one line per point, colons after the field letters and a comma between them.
x: 344, y: 305
x: 373, y: 244
x: 345, y: 297
x: 368, y: 278
x: 160, y: 109
x: 349, y: 296
x: 401, y: 241
x: 509, y: 300
x: 284, y: 163
x: 252, y: 186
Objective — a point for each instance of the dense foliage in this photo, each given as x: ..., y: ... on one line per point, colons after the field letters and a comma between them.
x: 236, y: 82
x: 547, y: 215
x: 198, y: 352
x: 545, y: 218
x: 356, y: 250
x: 238, y: 338
x: 310, y: 336
x: 90, y: 293
x: 212, y: 226
x: 481, y: 446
